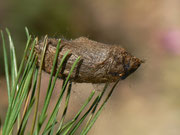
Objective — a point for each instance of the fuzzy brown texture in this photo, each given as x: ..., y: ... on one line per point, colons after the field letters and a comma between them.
x: 100, y: 63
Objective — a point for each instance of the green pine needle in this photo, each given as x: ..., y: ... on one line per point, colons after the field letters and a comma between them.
x: 23, y: 88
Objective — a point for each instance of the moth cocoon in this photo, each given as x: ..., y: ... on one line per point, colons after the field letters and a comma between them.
x: 100, y: 63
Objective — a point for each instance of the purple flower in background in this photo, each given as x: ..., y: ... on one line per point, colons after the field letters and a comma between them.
x: 170, y: 40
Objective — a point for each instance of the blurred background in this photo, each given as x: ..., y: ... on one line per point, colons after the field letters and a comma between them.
x: 147, y: 102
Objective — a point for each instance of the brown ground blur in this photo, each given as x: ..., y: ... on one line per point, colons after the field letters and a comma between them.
x: 147, y: 102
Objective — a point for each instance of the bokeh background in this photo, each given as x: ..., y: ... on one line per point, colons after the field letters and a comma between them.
x: 147, y: 102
